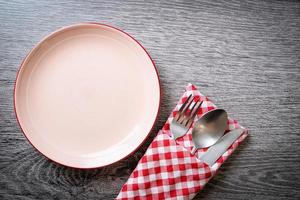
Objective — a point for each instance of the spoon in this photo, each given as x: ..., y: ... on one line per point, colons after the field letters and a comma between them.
x: 209, y: 129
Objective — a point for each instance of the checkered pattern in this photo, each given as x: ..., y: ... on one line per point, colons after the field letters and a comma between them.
x: 168, y: 170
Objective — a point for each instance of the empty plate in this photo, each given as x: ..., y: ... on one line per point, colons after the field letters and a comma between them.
x: 87, y: 95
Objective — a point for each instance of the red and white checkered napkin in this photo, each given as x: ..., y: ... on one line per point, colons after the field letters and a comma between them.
x: 168, y: 170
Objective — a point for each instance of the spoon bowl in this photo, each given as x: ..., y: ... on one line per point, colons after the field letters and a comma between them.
x: 209, y: 129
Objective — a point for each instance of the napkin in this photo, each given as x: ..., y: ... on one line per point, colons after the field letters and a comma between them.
x: 168, y: 170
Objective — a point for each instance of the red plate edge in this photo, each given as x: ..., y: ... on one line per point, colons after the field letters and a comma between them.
x: 159, y: 103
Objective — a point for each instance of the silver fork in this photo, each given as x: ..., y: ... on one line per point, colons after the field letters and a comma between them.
x: 184, y: 117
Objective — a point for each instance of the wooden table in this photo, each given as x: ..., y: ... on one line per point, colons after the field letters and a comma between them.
x: 246, y: 56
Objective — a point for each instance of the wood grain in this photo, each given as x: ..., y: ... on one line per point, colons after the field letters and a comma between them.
x: 245, y: 55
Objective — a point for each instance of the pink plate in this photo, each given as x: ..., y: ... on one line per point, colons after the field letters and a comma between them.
x: 87, y: 95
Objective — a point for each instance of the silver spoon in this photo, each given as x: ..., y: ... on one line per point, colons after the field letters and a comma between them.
x: 209, y: 129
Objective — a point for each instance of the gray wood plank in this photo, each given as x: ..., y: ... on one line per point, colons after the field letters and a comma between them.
x: 245, y: 55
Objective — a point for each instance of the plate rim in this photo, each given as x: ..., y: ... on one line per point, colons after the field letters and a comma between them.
x: 49, y: 35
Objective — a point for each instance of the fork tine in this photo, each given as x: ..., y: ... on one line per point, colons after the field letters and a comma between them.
x: 197, y: 109
x: 191, y: 119
x: 193, y: 107
x: 185, y: 102
x: 177, y: 116
x: 185, y: 113
x: 187, y: 107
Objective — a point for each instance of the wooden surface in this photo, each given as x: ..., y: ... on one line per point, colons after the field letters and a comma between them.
x: 246, y: 56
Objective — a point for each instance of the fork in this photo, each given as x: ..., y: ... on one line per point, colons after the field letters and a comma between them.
x: 184, y: 118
